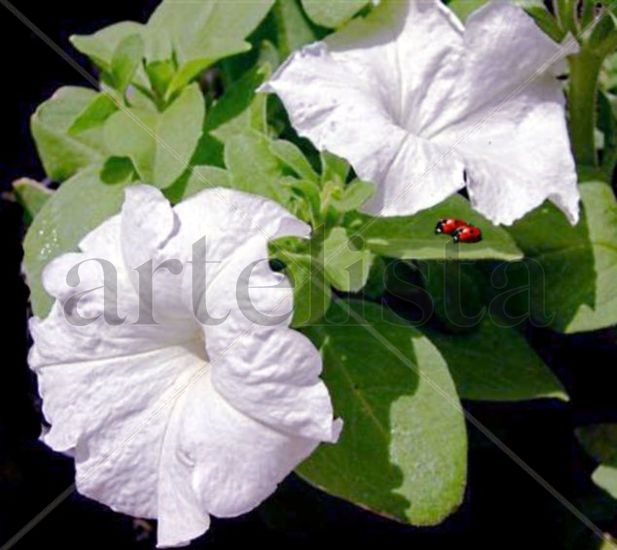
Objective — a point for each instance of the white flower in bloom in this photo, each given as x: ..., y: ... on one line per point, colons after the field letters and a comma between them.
x: 178, y: 419
x: 423, y: 107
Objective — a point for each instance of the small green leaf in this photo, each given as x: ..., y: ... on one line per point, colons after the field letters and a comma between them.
x: 333, y: 13
x: 333, y: 168
x: 291, y: 155
x: 413, y: 237
x: 403, y: 448
x: 292, y: 29
x: 198, y: 179
x: 125, y: 61
x: 95, y: 114
x: 547, y: 22
x: 254, y: 168
x: 495, y: 363
x: 160, y: 75
x: 240, y: 108
x: 160, y: 145
x: 80, y: 204
x: 100, y: 46
x: 61, y: 153
x: 346, y: 267
x: 32, y: 196
x: 310, y: 193
x: 354, y: 196
x: 571, y: 271
x: 312, y: 296
x: 603, y: 38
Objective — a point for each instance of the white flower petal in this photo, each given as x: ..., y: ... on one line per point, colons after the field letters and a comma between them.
x: 231, y: 461
x: 117, y: 394
x: 414, y: 103
x: 350, y: 95
x: 507, y: 117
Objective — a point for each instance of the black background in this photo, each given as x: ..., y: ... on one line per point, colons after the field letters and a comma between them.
x: 503, y: 507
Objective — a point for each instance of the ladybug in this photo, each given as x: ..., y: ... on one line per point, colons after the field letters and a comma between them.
x: 467, y: 234
x: 448, y: 226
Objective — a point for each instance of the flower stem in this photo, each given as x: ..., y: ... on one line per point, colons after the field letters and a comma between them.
x: 584, y: 73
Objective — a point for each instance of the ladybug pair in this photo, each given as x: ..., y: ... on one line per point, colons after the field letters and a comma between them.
x: 461, y: 231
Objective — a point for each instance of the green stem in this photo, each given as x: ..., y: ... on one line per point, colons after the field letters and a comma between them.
x: 584, y: 73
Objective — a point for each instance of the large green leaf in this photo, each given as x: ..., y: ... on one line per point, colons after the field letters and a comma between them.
x: 254, y: 168
x: 332, y: 13
x: 403, y: 449
x: 80, y: 204
x: 495, y: 363
x: 63, y: 153
x: 413, y: 237
x: 160, y: 145
x: 571, y: 271
x: 203, y: 32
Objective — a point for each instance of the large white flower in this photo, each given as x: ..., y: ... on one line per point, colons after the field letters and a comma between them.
x: 424, y: 107
x: 166, y: 416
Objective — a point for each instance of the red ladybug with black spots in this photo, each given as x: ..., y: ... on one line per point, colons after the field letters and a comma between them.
x: 467, y: 234
x: 447, y: 226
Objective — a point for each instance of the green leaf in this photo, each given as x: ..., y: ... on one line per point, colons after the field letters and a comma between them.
x: 603, y: 38
x: 160, y: 145
x: 160, y: 75
x: 80, y: 204
x: 32, y: 196
x: 547, y: 22
x: 333, y: 168
x: 354, y: 196
x: 100, y: 46
x: 198, y: 179
x: 456, y: 290
x: 61, y: 153
x: 402, y: 451
x: 240, y: 108
x: 346, y: 267
x: 100, y: 108
x: 201, y: 33
x: 291, y: 155
x: 571, y: 271
x: 413, y: 237
x: 125, y: 61
x: 495, y: 363
x: 600, y: 441
x: 292, y: 29
x: 254, y: 168
x: 312, y: 296
x: 333, y: 13
x: 605, y: 477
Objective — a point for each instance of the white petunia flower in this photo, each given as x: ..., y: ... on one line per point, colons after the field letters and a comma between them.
x: 424, y: 107
x: 174, y: 414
